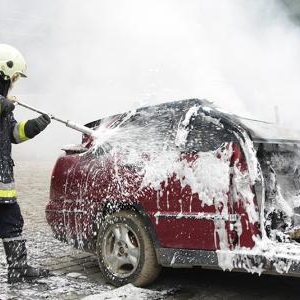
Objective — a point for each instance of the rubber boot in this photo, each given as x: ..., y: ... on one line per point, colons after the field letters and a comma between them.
x: 18, y: 269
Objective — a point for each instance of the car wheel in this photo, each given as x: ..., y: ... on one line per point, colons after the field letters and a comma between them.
x: 125, y: 250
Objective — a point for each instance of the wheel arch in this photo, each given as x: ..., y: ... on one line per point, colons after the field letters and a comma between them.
x: 111, y: 206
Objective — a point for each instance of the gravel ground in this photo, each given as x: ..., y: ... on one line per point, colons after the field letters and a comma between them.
x: 77, y: 275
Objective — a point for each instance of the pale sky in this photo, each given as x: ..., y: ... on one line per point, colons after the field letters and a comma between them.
x: 89, y: 59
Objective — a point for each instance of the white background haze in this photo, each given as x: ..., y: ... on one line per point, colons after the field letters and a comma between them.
x: 90, y: 59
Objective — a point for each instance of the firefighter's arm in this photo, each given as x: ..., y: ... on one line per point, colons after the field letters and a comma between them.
x: 35, y: 126
x: 26, y: 130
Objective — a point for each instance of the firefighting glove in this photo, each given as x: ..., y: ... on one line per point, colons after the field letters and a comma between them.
x: 6, y: 106
x: 42, y: 121
x: 35, y: 126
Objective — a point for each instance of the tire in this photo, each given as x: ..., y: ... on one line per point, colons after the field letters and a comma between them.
x: 125, y: 250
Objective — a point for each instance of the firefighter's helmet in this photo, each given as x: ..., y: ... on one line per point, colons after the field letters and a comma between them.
x: 12, y: 63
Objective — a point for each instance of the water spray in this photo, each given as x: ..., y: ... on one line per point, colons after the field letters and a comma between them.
x: 68, y: 123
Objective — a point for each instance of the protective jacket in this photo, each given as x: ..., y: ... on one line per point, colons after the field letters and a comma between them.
x: 15, y: 132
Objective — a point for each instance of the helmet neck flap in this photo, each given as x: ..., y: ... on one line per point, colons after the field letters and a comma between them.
x: 4, y: 86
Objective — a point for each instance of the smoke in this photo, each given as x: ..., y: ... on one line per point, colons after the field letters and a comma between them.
x: 90, y: 59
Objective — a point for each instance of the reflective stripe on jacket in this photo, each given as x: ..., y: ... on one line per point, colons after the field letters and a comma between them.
x: 19, y: 132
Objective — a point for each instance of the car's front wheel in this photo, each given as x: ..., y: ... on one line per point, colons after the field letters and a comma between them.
x: 125, y: 250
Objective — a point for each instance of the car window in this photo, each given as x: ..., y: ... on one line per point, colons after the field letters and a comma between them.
x: 205, y: 134
x: 154, y: 127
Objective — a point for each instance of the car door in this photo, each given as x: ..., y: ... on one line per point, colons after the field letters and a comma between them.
x: 195, y: 209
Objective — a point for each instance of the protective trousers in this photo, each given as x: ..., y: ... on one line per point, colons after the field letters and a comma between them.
x: 11, y: 221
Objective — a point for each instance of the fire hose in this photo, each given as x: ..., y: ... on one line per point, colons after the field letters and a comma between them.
x: 68, y: 123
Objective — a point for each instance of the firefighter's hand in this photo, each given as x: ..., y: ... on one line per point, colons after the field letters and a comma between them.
x: 13, y: 99
x: 42, y: 122
x: 6, y: 106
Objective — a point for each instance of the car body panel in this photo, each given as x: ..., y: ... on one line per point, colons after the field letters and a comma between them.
x: 181, y: 217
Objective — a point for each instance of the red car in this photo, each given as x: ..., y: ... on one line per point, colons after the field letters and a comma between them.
x: 180, y: 184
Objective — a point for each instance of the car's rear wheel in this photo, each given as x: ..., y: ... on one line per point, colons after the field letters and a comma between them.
x: 125, y: 250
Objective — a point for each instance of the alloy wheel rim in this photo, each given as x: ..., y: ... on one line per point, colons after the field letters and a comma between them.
x: 121, y: 250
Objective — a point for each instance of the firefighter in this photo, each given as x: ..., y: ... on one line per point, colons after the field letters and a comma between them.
x: 12, y: 67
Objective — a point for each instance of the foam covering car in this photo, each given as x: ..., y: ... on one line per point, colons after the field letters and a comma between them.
x: 180, y: 184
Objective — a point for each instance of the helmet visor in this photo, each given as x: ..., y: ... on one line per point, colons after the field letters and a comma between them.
x: 22, y: 74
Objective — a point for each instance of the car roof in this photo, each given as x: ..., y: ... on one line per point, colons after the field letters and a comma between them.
x: 260, y: 131
x: 265, y: 132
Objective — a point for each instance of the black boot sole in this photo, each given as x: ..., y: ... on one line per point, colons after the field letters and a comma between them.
x: 26, y: 279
